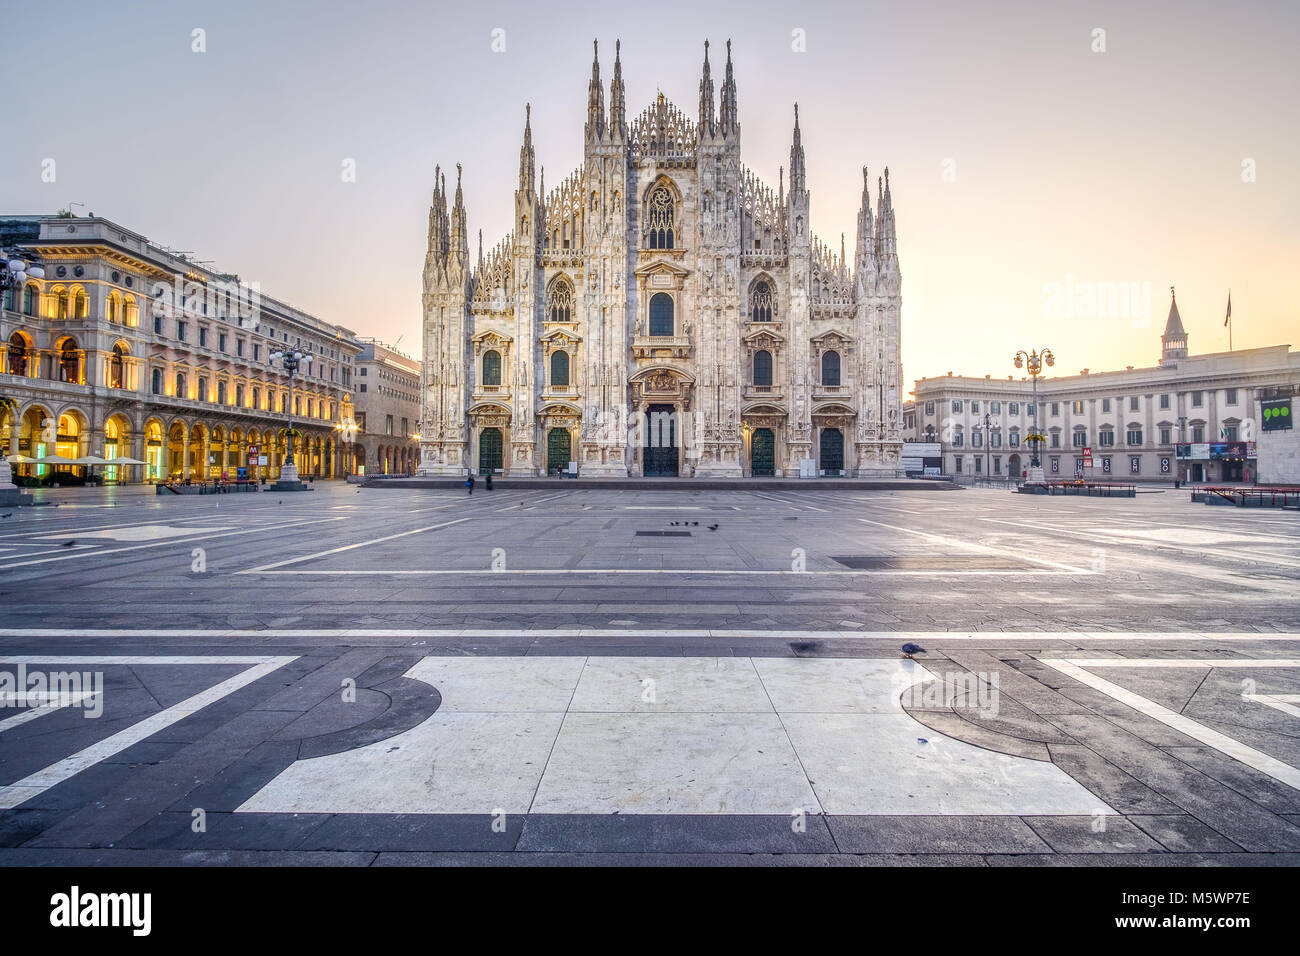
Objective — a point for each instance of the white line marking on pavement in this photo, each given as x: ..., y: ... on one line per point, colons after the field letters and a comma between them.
x: 349, y: 547
x: 1282, y: 702
x: 983, y: 548
x: 934, y: 637
x: 670, y: 571
x: 38, y: 707
x: 37, y: 783
x: 1262, y: 762
x: 78, y: 553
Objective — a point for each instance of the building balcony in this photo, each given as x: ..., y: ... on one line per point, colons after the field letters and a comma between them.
x: 662, y: 346
x: 773, y: 393
x: 830, y: 391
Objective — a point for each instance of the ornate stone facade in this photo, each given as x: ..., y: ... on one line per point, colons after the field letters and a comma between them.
x: 662, y: 312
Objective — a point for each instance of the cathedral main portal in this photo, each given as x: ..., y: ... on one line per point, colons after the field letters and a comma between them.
x: 661, y: 454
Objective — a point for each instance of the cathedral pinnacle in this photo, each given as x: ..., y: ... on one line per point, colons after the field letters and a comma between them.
x: 707, y: 122
x: 727, y: 106
x: 595, y: 97
x: 617, y: 105
x: 526, y: 155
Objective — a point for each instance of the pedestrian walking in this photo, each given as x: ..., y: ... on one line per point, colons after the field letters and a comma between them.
x: 469, y: 484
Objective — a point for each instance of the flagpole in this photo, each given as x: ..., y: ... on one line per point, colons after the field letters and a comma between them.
x: 1227, y: 320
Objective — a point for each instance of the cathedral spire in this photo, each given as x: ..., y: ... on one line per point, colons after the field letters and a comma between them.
x: 526, y: 155
x: 727, y: 106
x: 595, y: 97
x: 617, y: 104
x: 797, y: 181
x: 459, y: 239
x: 866, y: 249
x: 707, y: 122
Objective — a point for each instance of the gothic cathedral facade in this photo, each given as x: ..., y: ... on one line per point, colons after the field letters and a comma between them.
x: 661, y: 312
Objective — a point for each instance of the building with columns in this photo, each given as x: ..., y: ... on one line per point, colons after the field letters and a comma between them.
x: 1189, y: 417
x: 386, y: 410
x: 127, y: 349
x: 661, y: 312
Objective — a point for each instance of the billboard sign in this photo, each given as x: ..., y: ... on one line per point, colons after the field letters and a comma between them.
x: 1275, y: 414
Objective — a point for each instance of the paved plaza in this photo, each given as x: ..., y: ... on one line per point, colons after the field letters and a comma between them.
x: 373, y: 676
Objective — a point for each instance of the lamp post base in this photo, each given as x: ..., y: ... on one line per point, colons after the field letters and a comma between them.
x: 288, y: 480
x: 1035, y: 475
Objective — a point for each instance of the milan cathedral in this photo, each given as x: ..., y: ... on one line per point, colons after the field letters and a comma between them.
x: 662, y: 312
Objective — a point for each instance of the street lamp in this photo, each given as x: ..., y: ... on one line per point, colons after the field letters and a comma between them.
x: 14, y: 273
x: 348, y: 432
x: 1034, y: 361
x: 289, y: 360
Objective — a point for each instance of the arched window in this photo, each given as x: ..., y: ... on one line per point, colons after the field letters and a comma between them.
x: 69, y: 362
x: 80, y: 304
x: 559, y: 304
x: 17, y: 356
x: 559, y: 368
x: 31, y: 299
x: 760, y: 302
x: 659, y: 219
x: 491, y: 367
x: 221, y: 393
x: 257, y: 398
x: 180, y: 385
x: 58, y: 307
x: 831, y: 368
x: 157, y: 385
x: 202, y: 391
x: 661, y: 314
x: 239, y: 396
x: 114, y: 307
x: 130, y: 311
x: 762, y: 367
x: 117, y: 368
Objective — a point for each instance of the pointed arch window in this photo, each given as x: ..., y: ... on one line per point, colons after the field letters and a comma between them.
x: 661, y: 314
x: 763, y: 368
x: 491, y: 367
x: 760, y: 302
x: 831, y: 368
x: 659, y: 219
x: 559, y: 368
x: 559, y: 304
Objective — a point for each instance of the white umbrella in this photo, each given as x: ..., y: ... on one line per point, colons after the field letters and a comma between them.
x: 124, y: 461
x: 57, y: 460
x: 90, y: 460
x: 20, y: 460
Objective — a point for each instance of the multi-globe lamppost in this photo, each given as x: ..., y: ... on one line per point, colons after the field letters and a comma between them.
x: 1034, y: 361
x: 14, y: 274
x: 289, y: 360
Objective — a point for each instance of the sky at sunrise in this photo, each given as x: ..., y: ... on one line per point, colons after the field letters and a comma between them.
x: 1051, y: 182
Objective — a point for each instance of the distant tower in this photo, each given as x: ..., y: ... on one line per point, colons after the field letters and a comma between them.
x: 1174, y: 341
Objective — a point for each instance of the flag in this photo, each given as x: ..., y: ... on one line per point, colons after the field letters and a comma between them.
x: 1228, y: 318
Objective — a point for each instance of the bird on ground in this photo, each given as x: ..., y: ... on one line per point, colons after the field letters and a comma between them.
x: 713, y: 527
x: 68, y: 544
x: 909, y: 648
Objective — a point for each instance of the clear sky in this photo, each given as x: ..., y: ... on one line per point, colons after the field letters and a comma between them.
x: 1028, y: 171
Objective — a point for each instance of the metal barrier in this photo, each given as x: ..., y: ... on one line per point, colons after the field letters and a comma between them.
x: 1257, y: 496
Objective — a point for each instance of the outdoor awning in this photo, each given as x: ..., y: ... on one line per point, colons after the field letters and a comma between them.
x: 90, y: 460
x: 21, y: 460
x: 56, y: 460
x: 124, y: 461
